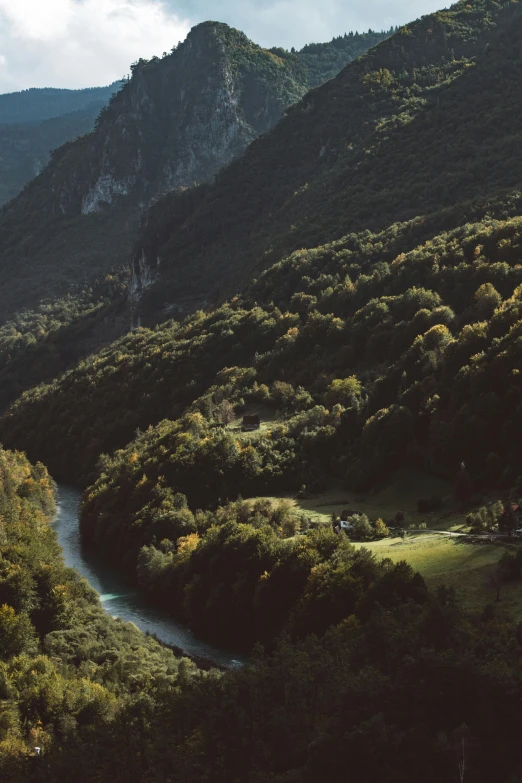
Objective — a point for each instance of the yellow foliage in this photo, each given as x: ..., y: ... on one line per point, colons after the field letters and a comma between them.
x: 187, y: 545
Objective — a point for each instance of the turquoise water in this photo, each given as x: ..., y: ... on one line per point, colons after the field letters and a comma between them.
x: 117, y: 598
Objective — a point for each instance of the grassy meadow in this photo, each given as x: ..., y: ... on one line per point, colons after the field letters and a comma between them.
x: 441, y: 559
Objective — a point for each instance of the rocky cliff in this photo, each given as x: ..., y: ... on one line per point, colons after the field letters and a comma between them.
x: 176, y: 122
x: 417, y: 125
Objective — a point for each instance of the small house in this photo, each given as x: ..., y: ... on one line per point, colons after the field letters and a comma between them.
x: 347, y: 513
x: 251, y: 423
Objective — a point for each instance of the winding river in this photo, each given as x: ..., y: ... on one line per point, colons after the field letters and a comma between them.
x: 119, y: 599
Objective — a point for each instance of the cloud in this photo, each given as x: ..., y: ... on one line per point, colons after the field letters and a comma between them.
x: 297, y: 22
x: 83, y: 43
x: 80, y: 43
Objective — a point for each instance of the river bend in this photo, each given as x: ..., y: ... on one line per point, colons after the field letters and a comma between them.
x: 118, y: 599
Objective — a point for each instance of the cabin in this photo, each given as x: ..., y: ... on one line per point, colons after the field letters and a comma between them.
x: 251, y: 423
x: 348, y: 512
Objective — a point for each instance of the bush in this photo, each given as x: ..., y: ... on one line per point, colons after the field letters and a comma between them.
x: 380, y: 529
x: 362, y: 529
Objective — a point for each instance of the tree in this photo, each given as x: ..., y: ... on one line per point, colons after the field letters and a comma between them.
x: 225, y: 413
x: 344, y: 392
x: 380, y: 529
x: 17, y: 634
x: 487, y: 299
x: 362, y: 529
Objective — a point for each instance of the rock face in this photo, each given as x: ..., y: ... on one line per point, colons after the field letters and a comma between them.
x: 198, y: 109
x: 176, y: 122
x: 375, y: 146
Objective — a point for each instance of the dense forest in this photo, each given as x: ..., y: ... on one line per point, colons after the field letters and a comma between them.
x: 396, y: 683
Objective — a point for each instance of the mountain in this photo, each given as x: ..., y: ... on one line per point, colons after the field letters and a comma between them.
x: 413, y: 126
x: 26, y: 149
x: 35, y: 122
x: 364, y: 287
x: 39, y: 104
x: 176, y: 122
x: 423, y: 313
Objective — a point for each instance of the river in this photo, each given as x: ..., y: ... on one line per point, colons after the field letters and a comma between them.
x: 119, y: 599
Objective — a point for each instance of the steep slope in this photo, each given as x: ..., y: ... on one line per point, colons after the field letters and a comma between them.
x: 425, y: 313
x: 430, y: 328
x: 177, y: 121
x: 26, y: 148
x: 425, y: 120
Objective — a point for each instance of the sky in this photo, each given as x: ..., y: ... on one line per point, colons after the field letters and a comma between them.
x: 86, y: 43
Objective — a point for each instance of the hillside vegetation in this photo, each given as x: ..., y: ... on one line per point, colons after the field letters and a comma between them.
x: 378, y: 350
x: 364, y: 267
x: 66, y: 668
x: 392, y: 690
x: 426, y: 120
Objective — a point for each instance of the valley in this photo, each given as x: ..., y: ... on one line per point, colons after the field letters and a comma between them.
x: 263, y: 325
x: 120, y: 600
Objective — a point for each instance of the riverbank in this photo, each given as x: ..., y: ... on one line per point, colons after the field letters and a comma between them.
x: 120, y: 600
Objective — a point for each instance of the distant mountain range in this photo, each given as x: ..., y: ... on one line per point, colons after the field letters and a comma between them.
x: 35, y: 122
x: 39, y: 104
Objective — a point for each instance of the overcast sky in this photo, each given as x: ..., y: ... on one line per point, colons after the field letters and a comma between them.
x: 83, y: 43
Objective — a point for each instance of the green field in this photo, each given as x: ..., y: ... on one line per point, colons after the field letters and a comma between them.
x: 401, y: 494
x: 466, y: 567
x: 440, y: 559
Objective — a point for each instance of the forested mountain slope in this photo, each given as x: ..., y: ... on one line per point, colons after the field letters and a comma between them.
x: 425, y: 120
x: 26, y: 149
x: 176, y: 122
x: 35, y: 122
x: 408, y: 310
x: 394, y: 339
x: 66, y: 668
x: 430, y: 329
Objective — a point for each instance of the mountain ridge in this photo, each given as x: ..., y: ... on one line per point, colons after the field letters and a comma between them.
x: 178, y: 120
x: 246, y: 220
x: 44, y: 103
